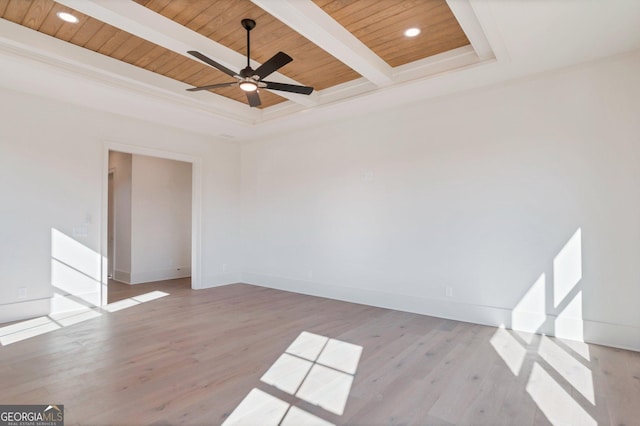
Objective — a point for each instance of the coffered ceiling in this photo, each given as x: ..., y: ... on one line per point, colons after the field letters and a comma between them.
x: 341, y: 48
x: 130, y: 56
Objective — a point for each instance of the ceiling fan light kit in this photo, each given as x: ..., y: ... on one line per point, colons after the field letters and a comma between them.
x: 248, y: 86
x: 248, y: 79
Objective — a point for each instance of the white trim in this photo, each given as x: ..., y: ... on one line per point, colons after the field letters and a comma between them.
x: 144, y: 23
x: 160, y: 275
x: 25, y: 43
x: 469, y: 23
x: 221, y: 279
x: 196, y: 224
x: 484, y: 15
x: 25, y: 310
x: 155, y: 97
x: 429, y: 67
x: 196, y: 205
x: 416, y: 71
x: 306, y: 18
x: 111, y: 267
x: 614, y: 335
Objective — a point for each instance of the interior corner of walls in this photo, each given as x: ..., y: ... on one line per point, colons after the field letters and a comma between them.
x: 24, y: 310
x: 122, y: 276
x: 221, y: 279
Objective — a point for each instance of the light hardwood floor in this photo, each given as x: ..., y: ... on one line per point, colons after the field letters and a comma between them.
x: 119, y: 291
x: 192, y: 357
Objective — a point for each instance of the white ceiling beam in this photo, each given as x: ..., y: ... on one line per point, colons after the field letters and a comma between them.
x: 310, y: 21
x: 144, y: 23
x: 105, y: 72
x: 468, y: 20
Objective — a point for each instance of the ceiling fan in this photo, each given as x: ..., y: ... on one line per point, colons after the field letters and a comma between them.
x: 251, y: 80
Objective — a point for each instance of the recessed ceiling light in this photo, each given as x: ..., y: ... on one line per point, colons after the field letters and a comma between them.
x: 67, y: 17
x: 412, y: 32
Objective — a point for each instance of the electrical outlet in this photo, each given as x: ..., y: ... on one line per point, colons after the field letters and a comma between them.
x: 224, y: 267
x: 310, y: 274
x: 22, y: 292
x: 449, y: 291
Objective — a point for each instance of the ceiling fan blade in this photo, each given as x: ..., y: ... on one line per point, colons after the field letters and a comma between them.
x: 212, y: 86
x: 253, y: 98
x: 276, y: 62
x: 305, y: 90
x: 212, y: 63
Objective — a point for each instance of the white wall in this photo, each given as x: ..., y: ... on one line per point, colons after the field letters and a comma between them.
x: 482, y: 192
x: 161, y: 219
x: 522, y: 198
x: 52, y: 160
x: 121, y: 164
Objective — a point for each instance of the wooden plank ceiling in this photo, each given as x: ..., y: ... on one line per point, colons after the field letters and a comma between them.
x: 379, y: 24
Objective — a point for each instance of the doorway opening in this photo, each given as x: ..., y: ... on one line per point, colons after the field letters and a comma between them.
x: 152, y: 221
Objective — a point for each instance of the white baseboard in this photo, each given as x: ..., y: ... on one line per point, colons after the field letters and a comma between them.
x: 24, y: 310
x: 159, y: 275
x: 121, y: 276
x: 615, y: 335
x: 220, y: 279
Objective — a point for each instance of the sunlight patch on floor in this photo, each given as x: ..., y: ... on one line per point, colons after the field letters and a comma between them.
x: 66, y: 319
x: 298, y: 417
x: 307, y: 345
x: 287, y: 373
x: 152, y: 295
x: 120, y: 305
x: 572, y: 371
x: 258, y: 405
x: 26, y: 329
x: 326, y: 388
x: 315, y: 369
x: 65, y: 312
x: 509, y: 349
x: 555, y: 402
x: 580, y: 348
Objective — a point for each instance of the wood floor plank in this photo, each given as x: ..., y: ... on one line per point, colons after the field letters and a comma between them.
x: 189, y: 358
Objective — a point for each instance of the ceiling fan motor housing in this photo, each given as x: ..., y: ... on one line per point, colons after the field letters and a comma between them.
x: 248, y: 72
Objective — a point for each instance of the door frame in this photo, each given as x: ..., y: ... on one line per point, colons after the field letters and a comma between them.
x: 196, y: 207
x: 111, y: 217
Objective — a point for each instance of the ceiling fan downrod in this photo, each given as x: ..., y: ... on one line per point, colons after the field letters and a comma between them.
x: 248, y: 24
